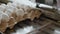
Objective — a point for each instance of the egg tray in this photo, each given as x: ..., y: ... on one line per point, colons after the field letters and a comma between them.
x: 13, y: 13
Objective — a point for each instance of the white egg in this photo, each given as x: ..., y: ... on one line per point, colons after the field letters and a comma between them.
x: 20, y: 12
x: 5, y: 17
